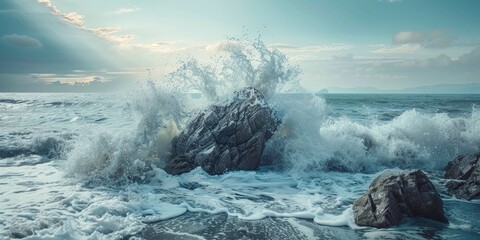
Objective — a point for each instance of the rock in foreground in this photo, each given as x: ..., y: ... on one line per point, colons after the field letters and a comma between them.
x: 393, y: 195
x: 465, y: 172
x: 224, y: 138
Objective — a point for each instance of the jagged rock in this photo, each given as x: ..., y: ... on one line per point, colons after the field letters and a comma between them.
x: 224, y: 138
x: 465, y: 174
x: 393, y: 195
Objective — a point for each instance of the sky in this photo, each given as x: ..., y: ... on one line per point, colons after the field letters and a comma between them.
x: 108, y: 45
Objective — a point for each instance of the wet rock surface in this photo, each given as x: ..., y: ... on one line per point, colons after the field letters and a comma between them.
x: 391, y: 196
x: 464, y: 172
x: 224, y: 138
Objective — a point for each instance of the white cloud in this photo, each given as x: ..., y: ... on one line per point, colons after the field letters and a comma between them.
x: 22, y: 41
x: 170, y: 47
x: 74, y: 18
x: 121, y: 39
x: 434, y: 39
x: 408, y: 37
x: 311, y: 52
x: 156, y: 46
x: 71, y: 17
x: 64, y: 78
x: 49, y: 4
x: 346, y: 57
x: 125, y: 11
x: 105, y: 30
x: 108, y: 33
x: 442, y: 60
x: 312, y: 48
x: 400, y: 49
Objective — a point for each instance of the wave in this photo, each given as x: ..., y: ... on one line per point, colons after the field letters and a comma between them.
x: 166, y: 107
x: 11, y: 101
x: 311, y: 138
x: 412, y: 140
x: 44, y: 145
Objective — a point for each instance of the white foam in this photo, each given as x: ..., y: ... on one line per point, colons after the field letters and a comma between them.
x: 307, y: 232
x: 344, y: 219
x: 308, y: 141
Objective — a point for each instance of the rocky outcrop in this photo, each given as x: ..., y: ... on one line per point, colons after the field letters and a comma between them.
x: 393, y: 195
x: 464, y: 172
x: 224, y: 138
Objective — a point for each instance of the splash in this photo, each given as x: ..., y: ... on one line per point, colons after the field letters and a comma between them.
x: 129, y: 155
x: 310, y: 139
x: 240, y: 64
x: 165, y: 107
x: 314, y: 142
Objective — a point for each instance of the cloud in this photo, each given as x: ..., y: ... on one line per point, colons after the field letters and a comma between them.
x: 52, y: 82
x: 107, y: 33
x: 71, y: 17
x: 71, y: 78
x: 111, y: 34
x: 311, y: 52
x: 49, y: 4
x: 434, y: 39
x: 105, y: 30
x: 312, y: 48
x: 408, y: 37
x: 467, y: 62
x: 160, y: 46
x: 400, y: 49
x: 346, y: 57
x: 74, y: 18
x: 22, y: 41
x: 294, y: 52
x: 472, y: 58
x: 442, y: 60
x: 394, y: 73
x: 125, y: 11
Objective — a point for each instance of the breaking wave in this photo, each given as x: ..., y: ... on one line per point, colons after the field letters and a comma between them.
x: 165, y: 107
x: 414, y: 139
x: 310, y: 138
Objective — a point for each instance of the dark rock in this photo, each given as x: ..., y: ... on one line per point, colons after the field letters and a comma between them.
x: 179, y: 165
x: 224, y: 138
x: 393, y: 195
x: 465, y: 174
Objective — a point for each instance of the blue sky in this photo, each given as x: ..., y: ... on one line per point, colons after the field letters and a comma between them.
x: 49, y: 45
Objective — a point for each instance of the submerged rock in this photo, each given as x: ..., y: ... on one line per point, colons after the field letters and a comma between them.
x: 393, y: 195
x: 224, y: 138
x: 465, y: 174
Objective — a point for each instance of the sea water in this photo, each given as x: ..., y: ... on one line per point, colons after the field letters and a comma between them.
x: 89, y: 166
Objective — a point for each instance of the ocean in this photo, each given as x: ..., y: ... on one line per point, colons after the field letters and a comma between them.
x: 85, y: 166
x: 89, y: 166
